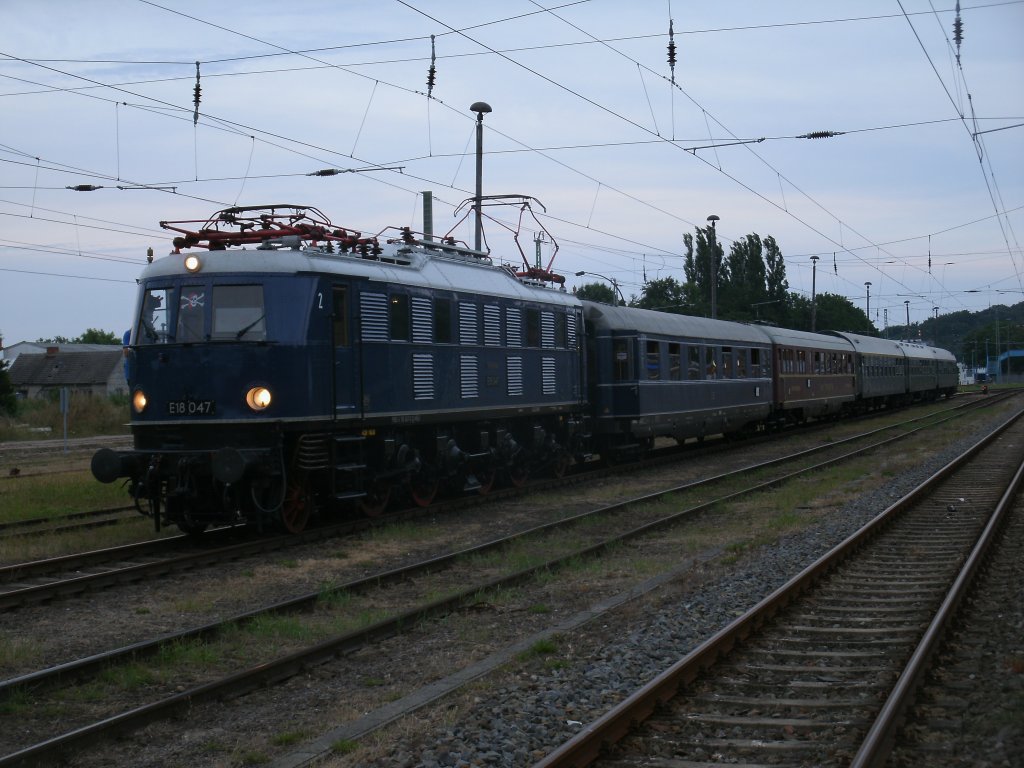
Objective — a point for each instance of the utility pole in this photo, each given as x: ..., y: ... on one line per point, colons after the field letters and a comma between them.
x: 714, y: 266
x: 481, y: 108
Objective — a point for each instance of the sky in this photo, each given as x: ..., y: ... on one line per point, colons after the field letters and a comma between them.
x: 919, y: 192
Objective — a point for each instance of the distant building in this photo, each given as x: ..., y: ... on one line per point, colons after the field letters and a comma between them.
x: 95, y: 369
x: 10, y: 354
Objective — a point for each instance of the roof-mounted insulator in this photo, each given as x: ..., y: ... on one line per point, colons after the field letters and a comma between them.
x: 197, y: 93
x: 821, y: 134
x: 84, y: 188
x: 672, y: 51
x: 432, y: 72
x: 958, y: 32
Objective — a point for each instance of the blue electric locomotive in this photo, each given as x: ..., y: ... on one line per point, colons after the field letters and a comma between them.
x: 321, y: 367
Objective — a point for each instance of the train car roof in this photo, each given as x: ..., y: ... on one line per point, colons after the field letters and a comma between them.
x: 646, y: 321
x: 793, y: 338
x: 871, y: 345
x: 924, y: 352
x: 396, y: 264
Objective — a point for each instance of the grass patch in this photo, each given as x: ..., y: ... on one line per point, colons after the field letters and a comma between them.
x: 543, y: 647
x: 344, y: 747
x: 289, y: 738
x: 33, y: 496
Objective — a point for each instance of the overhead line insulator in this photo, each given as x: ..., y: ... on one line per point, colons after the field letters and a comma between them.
x: 821, y: 134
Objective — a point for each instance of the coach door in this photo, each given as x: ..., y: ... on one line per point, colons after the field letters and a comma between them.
x: 347, y: 395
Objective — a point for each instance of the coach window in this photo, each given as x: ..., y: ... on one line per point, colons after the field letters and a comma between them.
x: 190, y: 314
x: 398, y: 317
x: 755, y: 363
x: 710, y: 365
x: 561, y: 331
x: 620, y: 360
x: 693, y: 363
x: 442, y: 321
x: 653, y: 360
x: 726, y: 362
x: 741, y: 363
x: 533, y: 327
x: 675, y: 372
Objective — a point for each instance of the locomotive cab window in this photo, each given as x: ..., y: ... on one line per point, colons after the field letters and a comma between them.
x: 191, y: 308
x: 154, y: 321
x: 238, y: 313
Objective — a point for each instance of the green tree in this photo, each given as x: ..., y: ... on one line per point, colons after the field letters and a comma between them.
x: 8, y: 402
x: 91, y: 336
x: 745, y: 294
x: 665, y: 295
x: 96, y: 336
x: 597, y: 292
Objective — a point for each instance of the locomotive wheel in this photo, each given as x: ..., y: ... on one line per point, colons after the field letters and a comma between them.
x: 423, y: 488
x: 295, y: 510
x: 561, y: 463
x: 518, y: 474
x: 377, y: 497
x: 486, y: 476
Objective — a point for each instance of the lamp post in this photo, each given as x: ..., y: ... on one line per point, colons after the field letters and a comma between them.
x: 814, y: 280
x: 868, y: 286
x: 481, y: 108
x: 611, y: 280
x: 714, y: 266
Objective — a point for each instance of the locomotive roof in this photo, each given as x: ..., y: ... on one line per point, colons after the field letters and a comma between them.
x: 632, y: 319
x: 397, y: 264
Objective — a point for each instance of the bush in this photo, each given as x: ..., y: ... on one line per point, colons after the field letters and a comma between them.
x: 88, y: 416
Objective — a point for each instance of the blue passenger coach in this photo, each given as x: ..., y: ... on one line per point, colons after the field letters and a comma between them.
x: 658, y: 374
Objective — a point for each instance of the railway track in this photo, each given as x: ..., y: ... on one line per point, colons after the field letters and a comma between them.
x: 275, y: 669
x: 67, y: 523
x: 821, y: 672
x: 44, y: 580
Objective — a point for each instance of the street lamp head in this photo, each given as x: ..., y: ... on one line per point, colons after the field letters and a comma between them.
x: 712, y: 218
x: 815, y: 259
x: 481, y: 108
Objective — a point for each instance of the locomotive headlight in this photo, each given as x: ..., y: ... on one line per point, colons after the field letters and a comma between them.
x: 258, y: 398
x: 192, y: 263
x: 139, y: 401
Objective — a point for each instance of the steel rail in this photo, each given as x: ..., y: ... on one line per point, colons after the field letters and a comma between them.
x: 587, y: 746
x: 877, y: 745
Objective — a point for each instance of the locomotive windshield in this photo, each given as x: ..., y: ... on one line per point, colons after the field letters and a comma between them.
x: 193, y: 313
